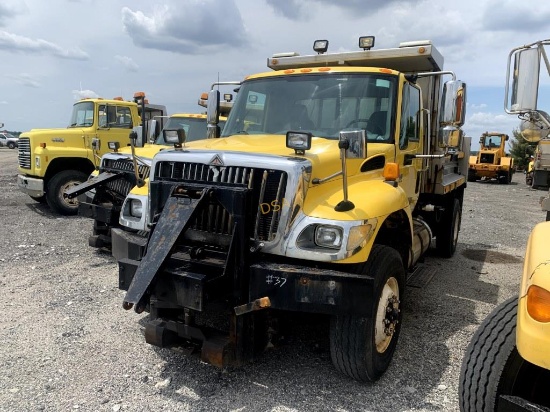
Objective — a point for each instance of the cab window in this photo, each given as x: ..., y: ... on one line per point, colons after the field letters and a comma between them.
x: 410, y: 116
x: 115, y: 116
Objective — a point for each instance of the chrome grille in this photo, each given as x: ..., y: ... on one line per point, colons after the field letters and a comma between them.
x: 123, y: 186
x: 268, y: 190
x: 24, y: 153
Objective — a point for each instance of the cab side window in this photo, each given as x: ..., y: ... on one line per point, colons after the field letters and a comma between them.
x: 115, y: 116
x: 410, y: 116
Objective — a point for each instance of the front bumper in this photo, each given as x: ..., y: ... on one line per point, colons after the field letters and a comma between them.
x: 127, y: 245
x: 31, y: 185
x: 287, y: 287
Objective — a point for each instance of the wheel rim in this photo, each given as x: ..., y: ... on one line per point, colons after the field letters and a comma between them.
x: 71, y: 203
x: 387, y: 315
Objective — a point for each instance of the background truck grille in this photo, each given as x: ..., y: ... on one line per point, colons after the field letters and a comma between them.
x: 24, y: 153
x: 268, y: 191
x: 123, y: 186
x: 487, y: 158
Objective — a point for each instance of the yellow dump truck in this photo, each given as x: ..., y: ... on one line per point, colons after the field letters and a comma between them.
x: 492, y: 161
x: 506, y: 366
x: 53, y: 160
x: 327, y: 185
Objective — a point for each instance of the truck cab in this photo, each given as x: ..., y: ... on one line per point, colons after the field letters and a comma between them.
x: 53, y: 160
x: 330, y: 179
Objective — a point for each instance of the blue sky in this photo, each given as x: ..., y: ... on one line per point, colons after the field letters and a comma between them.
x: 54, y: 52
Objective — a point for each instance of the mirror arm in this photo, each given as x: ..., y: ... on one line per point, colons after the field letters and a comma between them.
x: 133, y: 138
x: 345, y: 205
x: 318, y: 181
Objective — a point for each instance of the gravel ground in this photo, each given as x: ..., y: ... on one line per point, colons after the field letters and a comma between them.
x: 67, y: 344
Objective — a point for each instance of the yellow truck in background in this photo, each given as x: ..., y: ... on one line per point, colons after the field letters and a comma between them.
x: 506, y: 366
x: 53, y: 160
x: 112, y: 204
x: 492, y: 161
x: 330, y: 179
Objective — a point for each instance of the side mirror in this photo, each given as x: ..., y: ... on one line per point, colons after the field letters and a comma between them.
x: 525, y: 81
x: 136, y: 137
x: 353, y: 145
x: 213, y: 115
x: 357, y: 143
x: 453, y: 114
x: 152, y: 130
x: 454, y: 104
x: 96, y: 144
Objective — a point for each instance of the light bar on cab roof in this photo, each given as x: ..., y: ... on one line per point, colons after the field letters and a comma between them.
x: 366, y: 42
x: 320, y: 46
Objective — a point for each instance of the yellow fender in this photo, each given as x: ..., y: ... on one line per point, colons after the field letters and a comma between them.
x: 533, y: 321
x: 506, y: 161
x: 372, y: 199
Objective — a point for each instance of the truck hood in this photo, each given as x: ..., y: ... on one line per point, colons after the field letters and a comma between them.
x: 59, y: 132
x: 324, y: 154
x: 145, y: 152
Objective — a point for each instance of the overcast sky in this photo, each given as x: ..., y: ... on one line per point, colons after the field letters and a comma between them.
x: 55, y: 51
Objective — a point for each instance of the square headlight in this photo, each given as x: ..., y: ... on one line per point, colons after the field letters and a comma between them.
x: 299, y: 141
x: 328, y: 236
x: 136, y: 208
x: 174, y: 136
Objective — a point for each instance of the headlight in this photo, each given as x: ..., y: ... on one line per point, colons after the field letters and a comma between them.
x: 136, y: 208
x: 328, y: 236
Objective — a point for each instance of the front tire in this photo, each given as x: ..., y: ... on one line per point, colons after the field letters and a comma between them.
x: 492, y: 366
x: 11, y: 145
x: 362, y: 348
x: 55, y: 195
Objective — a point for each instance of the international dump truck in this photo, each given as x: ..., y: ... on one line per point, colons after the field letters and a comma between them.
x: 331, y: 177
x: 112, y: 203
x: 53, y: 160
x: 506, y: 366
x: 492, y: 161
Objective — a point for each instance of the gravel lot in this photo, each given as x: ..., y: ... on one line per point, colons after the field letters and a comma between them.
x: 67, y: 344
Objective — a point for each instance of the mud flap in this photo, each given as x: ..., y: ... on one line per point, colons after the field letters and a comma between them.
x: 95, y: 181
x: 176, y: 215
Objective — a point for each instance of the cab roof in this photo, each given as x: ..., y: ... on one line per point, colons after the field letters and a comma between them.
x: 407, y: 58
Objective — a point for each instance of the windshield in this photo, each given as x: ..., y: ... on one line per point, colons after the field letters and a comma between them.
x: 194, y: 127
x: 321, y: 104
x: 492, y: 141
x: 83, y: 114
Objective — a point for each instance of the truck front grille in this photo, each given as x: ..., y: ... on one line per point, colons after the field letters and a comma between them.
x: 24, y: 153
x: 123, y: 186
x: 268, y: 190
x: 487, y: 158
